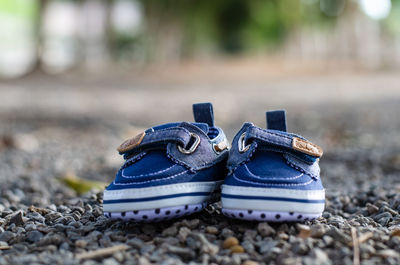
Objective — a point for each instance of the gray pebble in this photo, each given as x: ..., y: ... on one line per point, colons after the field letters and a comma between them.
x: 6, y: 236
x: 34, y: 236
x: 170, y: 231
x: 264, y: 229
x: 382, y: 215
x: 320, y: 257
x: 17, y: 219
x: 372, y: 208
x: 185, y: 253
x: 110, y: 261
x: 266, y: 245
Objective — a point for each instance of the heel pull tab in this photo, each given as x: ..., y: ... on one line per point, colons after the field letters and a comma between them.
x: 276, y: 120
x: 203, y: 112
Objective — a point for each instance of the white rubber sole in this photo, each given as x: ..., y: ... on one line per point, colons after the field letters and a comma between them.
x: 157, y: 215
x: 270, y: 204
x: 159, y: 202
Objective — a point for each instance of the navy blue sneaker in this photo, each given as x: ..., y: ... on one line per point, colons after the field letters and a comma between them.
x: 273, y: 175
x: 171, y: 170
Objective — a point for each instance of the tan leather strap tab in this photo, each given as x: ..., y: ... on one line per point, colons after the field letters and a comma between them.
x: 306, y: 147
x: 131, y: 143
x: 221, y: 146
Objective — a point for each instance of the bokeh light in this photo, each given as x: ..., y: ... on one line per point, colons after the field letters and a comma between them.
x: 376, y: 9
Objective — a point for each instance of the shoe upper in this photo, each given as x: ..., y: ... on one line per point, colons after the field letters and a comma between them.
x: 174, y: 153
x: 273, y: 158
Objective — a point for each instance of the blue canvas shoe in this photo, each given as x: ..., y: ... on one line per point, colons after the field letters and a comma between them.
x: 171, y: 170
x: 273, y: 175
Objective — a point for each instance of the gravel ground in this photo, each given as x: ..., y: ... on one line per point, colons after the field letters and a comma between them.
x: 43, y: 221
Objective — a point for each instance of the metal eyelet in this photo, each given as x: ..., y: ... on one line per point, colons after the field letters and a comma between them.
x: 242, y: 145
x: 193, y: 147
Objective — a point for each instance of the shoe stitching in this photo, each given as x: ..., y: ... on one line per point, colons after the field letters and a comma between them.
x: 148, y: 174
x: 258, y: 177
x: 301, y: 169
x: 132, y: 160
x: 271, y: 184
x: 152, y: 180
x: 232, y: 166
x: 264, y: 131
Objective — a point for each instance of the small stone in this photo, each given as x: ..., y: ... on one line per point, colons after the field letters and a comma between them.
x: 267, y: 245
x: 250, y: 262
x: 206, y: 246
x: 372, y: 208
x: 211, y: 230
x: 226, y: 232
x: 34, y: 236
x: 396, y: 232
x: 81, y: 243
x: 384, y: 221
x: 304, y: 230
x: 382, y: 215
x: 388, y: 253
x: 144, y: 261
x: 230, y: 242
x: 237, y: 249
x: 52, y: 207
x: 64, y: 246
x: 300, y: 248
x: 52, y: 216
x: 320, y: 257
x: 38, y: 210
x: 17, y: 219
x: 338, y: 235
x: 170, y: 231
x: 390, y: 210
x: 135, y: 242
x: 110, y: 261
x: 183, y: 233
x: 248, y: 246
x: 276, y: 250
x: 119, y: 256
x: 318, y: 231
x: 146, y: 248
x: 183, y: 252
x: 30, y: 227
x: 293, y: 261
x: 6, y: 236
x: 50, y: 240
x: 327, y: 240
x: 264, y: 229
x: 366, y: 250
x: 37, y: 217
x: 192, y: 224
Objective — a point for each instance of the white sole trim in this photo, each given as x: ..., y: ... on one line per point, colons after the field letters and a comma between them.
x: 159, y: 196
x: 273, y: 200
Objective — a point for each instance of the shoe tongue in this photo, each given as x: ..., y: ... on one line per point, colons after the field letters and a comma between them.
x: 276, y: 120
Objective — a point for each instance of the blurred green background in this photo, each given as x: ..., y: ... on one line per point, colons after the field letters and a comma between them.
x: 85, y: 75
x: 56, y: 36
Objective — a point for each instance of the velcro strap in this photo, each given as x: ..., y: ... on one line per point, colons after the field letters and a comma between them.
x: 153, y: 138
x: 286, y: 141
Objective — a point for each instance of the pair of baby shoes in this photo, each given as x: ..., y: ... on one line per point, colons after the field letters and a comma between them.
x: 177, y: 169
